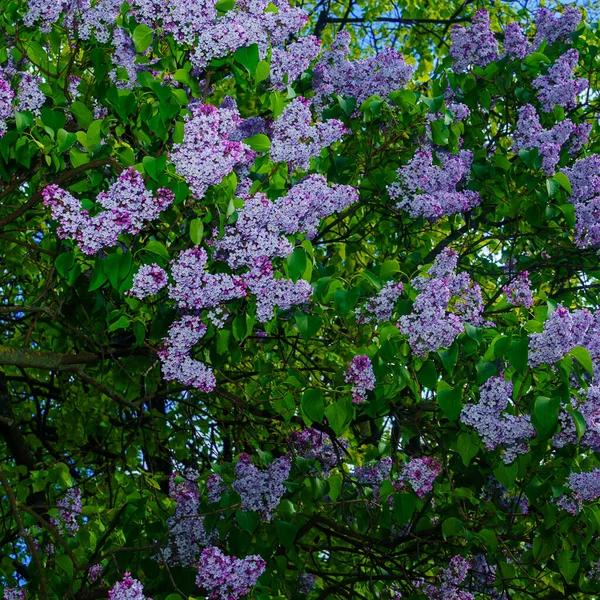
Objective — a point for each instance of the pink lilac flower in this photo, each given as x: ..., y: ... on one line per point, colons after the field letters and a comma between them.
x: 296, y: 140
x: 14, y: 594
x: 227, y: 577
x: 516, y: 44
x: 127, y: 203
x: 186, y: 527
x: 177, y: 364
x: 148, y: 280
x: 447, y: 301
x: 529, y: 134
x: 377, y: 75
x: 360, y: 375
x: 95, y: 572
x: 475, y: 45
x: 518, y: 292
x: 207, y: 154
x: 29, y: 95
x: 261, y: 491
x: 288, y: 64
x: 496, y: 427
x: 560, y: 86
x: 420, y: 473
x: 428, y: 190
x: 552, y: 27
x: 380, y: 307
x: 313, y: 444
x: 306, y: 582
x: 588, y: 405
x: 127, y: 589
x: 6, y: 109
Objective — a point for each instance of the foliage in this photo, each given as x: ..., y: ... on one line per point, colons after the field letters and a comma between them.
x: 364, y: 370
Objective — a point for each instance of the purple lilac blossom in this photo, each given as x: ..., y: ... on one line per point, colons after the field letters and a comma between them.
x: 6, y: 109
x: 380, y: 307
x: 29, y: 95
x: 148, y: 280
x: 516, y: 44
x: 14, y: 593
x: 518, y: 292
x: 261, y: 491
x: 475, y: 45
x: 585, y: 486
x: 306, y: 582
x: 552, y: 27
x: 227, y: 577
x: 360, y: 375
x: 288, y: 64
x: 313, y: 444
x: 560, y: 86
x: 428, y: 190
x: 588, y: 405
x: 128, y: 589
x: 447, y: 301
x: 207, y: 154
x: 295, y: 140
x: 214, y: 487
x: 447, y: 582
x: 69, y: 508
x: 510, y: 500
x: 127, y: 203
x: 186, y: 527
x: 97, y: 20
x: 177, y: 364
x: 529, y: 134
x: 419, y: 473
x: 124, y: 57
x: 377, y: 75
x: 95, y: 572
x: 374, y: 473
x: 496, y: 427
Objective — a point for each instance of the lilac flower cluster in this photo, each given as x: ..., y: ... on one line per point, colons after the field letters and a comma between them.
x: 295, y: 140
x: 228, y: 577
x: 447, y: 301
x: 510, y: 500
x: 207, y: 154
x: 29, y: 95
x: 493, y: 425
x: 585, y: 486
x: 589, y: 407
x: 560, y: 86
x: 447, y: 582
x: 6, y: 109
x: 177, y: 364
x: 562, y: 332
x: 313, y: 444
x: 380, y: 307
x: 69, y: 508
x: 214, y: 487
x: 186, y: 528
x: 306, y: 582
x: 529, y: 134
x: 377, y: 75
x: 261, y: 491
x: 360, y: 375
x: 124, y: 57
x: 419, y: 473
x: 287, y: 65
x: 14, y: 594
x: 127, y: 203
x: 516, y: 44
x: 375, y: 473
x: 128, y: 589
x: 584, y: 177
x: 429, y: 190
x: 475, y: 45
x: 95, y: 572
x: 552, y: 27
x: 148, y: 280
x: 518, y: 292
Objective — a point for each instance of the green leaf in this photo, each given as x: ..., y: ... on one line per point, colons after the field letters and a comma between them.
x: 121, y: 323
x: 286, y: 533
x: 564, y: 182
x: 259, y: 142
x: 579, y: 421
x: 142, y: 38
x: 467, y: 445
x: 64, y: 263
x: 65, y: 139
x: 263, y: 70
x: 196, y: 231
x: 339, y: 414
x: 248, y: 57
x: 517, y: 355
x: 489, y: 539
x: 583, y: 357
x: 82, y: 114
x: 428, y: 375
x: 296, y: 263
x: 65, y: 563
x: 312, y: 405
x: 154, y: 166
x: 335, y: 487
x: 157, y: 248
x: 545, y: 415
x: 23, y: 120
x: 346, y: 300
x: 247, y: 520
x: 117, y: 267
x: 567, y: 564
x: 308, y: 325
x: 507, y: 474
x: 404, y: 507
x: 98, y: 276
x: 452, y: 527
